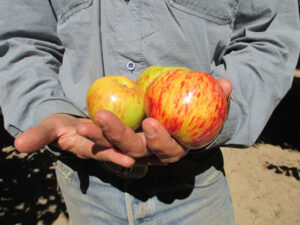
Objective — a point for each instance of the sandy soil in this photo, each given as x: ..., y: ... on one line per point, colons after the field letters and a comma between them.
x: 264, y: 179
x: 264, y: 184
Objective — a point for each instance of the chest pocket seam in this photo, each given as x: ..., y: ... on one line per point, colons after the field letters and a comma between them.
x: 203, y: 13
x: 67, y: 8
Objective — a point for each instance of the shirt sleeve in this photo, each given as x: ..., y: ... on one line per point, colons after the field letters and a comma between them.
x: 260, y: 61
x: 30, y: 57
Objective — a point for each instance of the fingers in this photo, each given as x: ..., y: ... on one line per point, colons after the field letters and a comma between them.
x: 226, y: 85
x: 112, y: 141
x: 99, y: 147
x: 83, y: 138
x: 121, y: 136
x: 160, y: 142
x: 93, y: 133
x: 35, y: 138
x: 87, y: 149
x: 60, y: 129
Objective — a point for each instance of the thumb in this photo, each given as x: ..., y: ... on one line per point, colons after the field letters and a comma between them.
x: 35, y: 138
x: 226, y: 85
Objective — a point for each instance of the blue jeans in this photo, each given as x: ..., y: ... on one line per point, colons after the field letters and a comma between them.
x: 164, y: 196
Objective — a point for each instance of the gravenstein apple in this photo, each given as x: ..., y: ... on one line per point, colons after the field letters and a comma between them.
x: 149, y: 74
x: 119, y: 95
x: 190, y: 105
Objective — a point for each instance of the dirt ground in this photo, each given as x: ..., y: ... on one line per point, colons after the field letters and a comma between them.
x: 264, y: 184
x: 263, y: 179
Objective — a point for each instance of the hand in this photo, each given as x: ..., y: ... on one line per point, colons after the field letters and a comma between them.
x: 61, y: 130
x: 160, y: 142
x: 152, y: 146
x: 227, y: 87
x: 109, y: 140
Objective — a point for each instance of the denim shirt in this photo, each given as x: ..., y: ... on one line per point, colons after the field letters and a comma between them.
x: 51, y: 51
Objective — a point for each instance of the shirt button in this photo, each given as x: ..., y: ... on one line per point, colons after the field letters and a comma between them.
x: 131, y: 66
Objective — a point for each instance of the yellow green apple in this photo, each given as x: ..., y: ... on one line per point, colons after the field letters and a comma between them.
x: 191, y: 105
x: 149, y: 74
x: 119, y: 95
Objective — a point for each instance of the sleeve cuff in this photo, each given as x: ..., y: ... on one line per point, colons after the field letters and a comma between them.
x: 48, y: 108
x: 227, y: 130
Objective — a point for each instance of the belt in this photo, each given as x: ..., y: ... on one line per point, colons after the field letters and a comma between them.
x: 195, y: 162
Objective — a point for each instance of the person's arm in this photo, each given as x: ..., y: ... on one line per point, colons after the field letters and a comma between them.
x: 260, y: 62
x: 33, y: 102
x: 30, y: 57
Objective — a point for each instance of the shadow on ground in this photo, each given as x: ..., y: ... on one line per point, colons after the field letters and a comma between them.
x: 283, y: 127
x: 28, y: 188
x: 284, y: 170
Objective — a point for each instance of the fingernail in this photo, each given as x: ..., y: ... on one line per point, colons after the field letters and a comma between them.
x: 102, y: 124
x: 149, y: 132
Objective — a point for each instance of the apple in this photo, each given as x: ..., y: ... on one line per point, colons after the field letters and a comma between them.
x: 149, y: 74
x: 117, y: 94
x: 191, y: 105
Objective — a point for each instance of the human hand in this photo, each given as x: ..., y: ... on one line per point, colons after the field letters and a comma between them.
x: 61, y: 130
x: 227, y: 87
x: 155, y: 135
x: 108, y: 140
x: 152, y: 146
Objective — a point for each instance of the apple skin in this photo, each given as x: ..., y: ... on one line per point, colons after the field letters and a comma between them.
x: 191, y: 105
x: 117, y: 94
x: 149, y: 74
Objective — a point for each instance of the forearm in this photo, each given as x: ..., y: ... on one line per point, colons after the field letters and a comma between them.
x: 31, y: 55
x: 260, y: 62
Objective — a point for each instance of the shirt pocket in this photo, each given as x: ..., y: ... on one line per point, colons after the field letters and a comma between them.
x: 64, y: 9
x: 217, y: 11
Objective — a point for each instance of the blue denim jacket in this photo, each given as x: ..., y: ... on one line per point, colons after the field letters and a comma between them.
x: 51, y: 51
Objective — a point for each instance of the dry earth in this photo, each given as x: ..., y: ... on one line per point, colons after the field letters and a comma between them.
x: 264, y: 179
x: 264, y: 184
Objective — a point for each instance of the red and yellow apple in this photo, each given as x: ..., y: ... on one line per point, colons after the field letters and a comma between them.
x: 191, y: 105
x: 149, y: 74
x: 119, y: 95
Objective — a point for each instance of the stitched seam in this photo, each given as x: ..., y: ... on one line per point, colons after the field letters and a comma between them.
x: 204, y: 15
x: 128, y: 202
x: 63, y: 16
x: 62, y: 172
